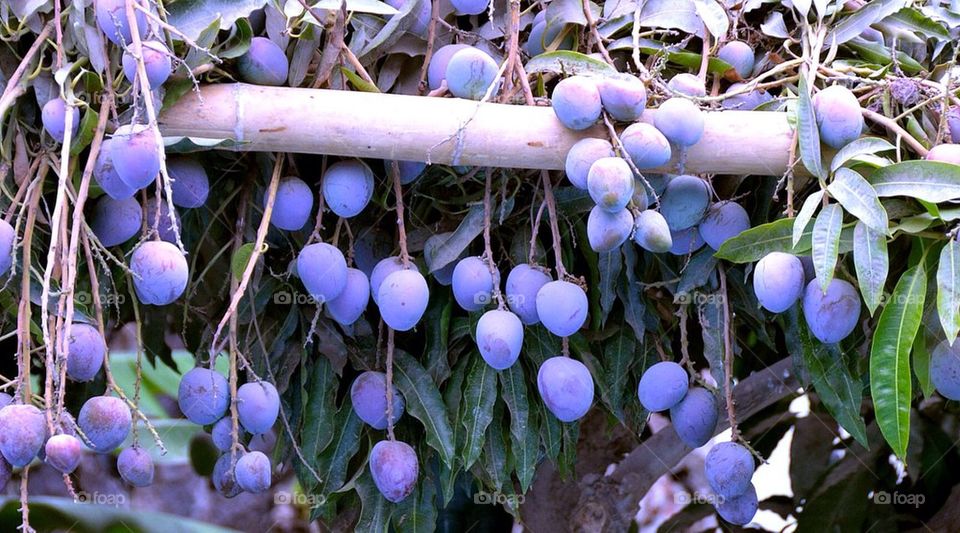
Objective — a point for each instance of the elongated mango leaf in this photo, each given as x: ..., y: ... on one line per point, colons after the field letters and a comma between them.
x: 191, y: 17
x: 853, y: 25
x: 948, y: 290
x: 890, y: 379
x: 476, y: 409
x: 758, y: 241
x: 840, y: 391
x: 826, y: 243
x: 857, y: 196
x: 932, y: 181
x: 805, y: 214
x: 872, y: 264
x: 423, y: 402
x: 807, y: 132
x: 567, y: 62
x: 524, y: 443
x: 375, y: 511
x: 921, y: 365
x: 861, y: 146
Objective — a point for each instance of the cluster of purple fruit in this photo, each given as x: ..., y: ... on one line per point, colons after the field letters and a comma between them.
x: 204, y: 397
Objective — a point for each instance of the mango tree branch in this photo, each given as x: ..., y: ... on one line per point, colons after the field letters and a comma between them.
x: 416, y: 128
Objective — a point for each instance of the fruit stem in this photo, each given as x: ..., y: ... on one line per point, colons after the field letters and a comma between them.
x: 487, y: 248
x: 401, y: 229
x: 390, y: 383
x: 728, y: 356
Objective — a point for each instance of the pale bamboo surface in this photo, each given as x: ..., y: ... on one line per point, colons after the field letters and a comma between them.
x: 445, y: 130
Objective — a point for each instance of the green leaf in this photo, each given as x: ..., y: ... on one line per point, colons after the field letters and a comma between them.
x: 619, y: 355
x: 890, y: 380
x: 332, y: 464
x: 567, y: 62
x: 861, y: 146
x: 359, y: 83
x: 191, y: 17
x: 921, y: 365
x: 493, y: 456
x: 88, y: 125
x: 672, y: 15
x: 713, y: 16
x: 698, y: 270
x: 840, y: 392
x: 681, y: 58
x: 853, y: 25
x: 872, y: 264
x: 238, y: 263
x: 610, y: 264
x: 417, y: 513
x: 758, y: 241
x: 948, y: 289
x: 932, y: 181
x: 423, y: 402
x: 826, y: 243
x: 469, y: 229
x: 630, y: 293
x: 807, y: 132
x: 356, y: 6
x: 806, y: 214
x: 476, y: 409
x: 857, y: 196
x: 710, y: 315
x: 374, y: 509
x: 523, y: 442
x: 561, y: 12
x: 879, y: 54
x: 320, y: 413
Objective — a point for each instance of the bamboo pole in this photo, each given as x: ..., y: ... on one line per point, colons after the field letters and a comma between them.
x: 444, y: 130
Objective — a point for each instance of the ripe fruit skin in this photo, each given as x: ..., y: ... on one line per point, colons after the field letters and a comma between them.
x: 472, y: 284
x: 686, y: 241
x: 112, y: 20
x: 831, y: 316
x: 156, y: 61
x: 410, y: 171
x: 221, y: 433
x: 745, y: 101
x: 684, y: 201
x: 470, y: 73
x: 224, y: 476
x: 645, y: 145
x: 86, y: 350
x: 7, y: 237
x: 838, y: 116
x: 346, y: 308
x: 133, y: 150
x: 160, y: 272
x: 695, y: 417
x: 383, y: 268
x: 651, y: 232
x: 403, y: 299
x: 368, y: 394
x: 945, y: 369
x: 135, y: 466
x: 431, y: 248
x: 53, y: 115
x: 437, y: 71
x: 190, y: 185
x: 499, y: 338
x: 723, y: 221
x: 115, y: 222
x: 738, y: 55
x: 394, y: 468
x: 106, y: 175
x: 566, y: 387
x: 607, y: 231
x: 23, y: 431
x: 323, y: 271
x: 610, y: 183
x: 582, y: 156
x: 293, y: 204
x: 778, y: 281
x: 264, y: 63
x: 948, y: 153
x: 739, y: 510
x: 729, y: 467
x: 203, y: 396
x: 253, y: 472
x: 562, y: 307
x: 523, y: 284
x: 347, y: 187
x: 680, y: 121
x: 469, y: 7
x: 623, y: 97
x: 576, y: 101
x: 258, y: 405
x: 105, y: 420
x: 662, y: 386
x: 63, y: 452
x: 162, y: 225
x: 687, y: 84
